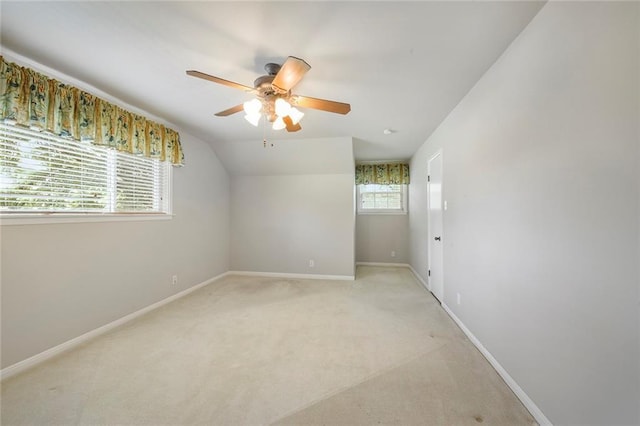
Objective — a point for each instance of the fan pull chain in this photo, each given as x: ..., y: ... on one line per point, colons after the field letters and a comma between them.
x: 264, y: 133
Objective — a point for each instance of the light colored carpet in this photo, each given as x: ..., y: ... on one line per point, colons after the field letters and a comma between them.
x: 249, y: 351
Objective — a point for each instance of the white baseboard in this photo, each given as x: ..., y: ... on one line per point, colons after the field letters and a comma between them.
x: 522, y: 396
x: 397, y: 265
x: 70, y: 344
x: 298, y: 276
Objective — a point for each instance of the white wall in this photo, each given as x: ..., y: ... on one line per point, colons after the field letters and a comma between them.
x: 377, y: 235
x: 60, y: 281
x: 281, y: 222
x: 541, y: 238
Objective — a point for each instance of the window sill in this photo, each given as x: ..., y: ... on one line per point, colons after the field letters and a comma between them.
x: 45, y: 218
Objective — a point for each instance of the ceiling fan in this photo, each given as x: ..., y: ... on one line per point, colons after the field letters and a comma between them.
x: 273, y: 94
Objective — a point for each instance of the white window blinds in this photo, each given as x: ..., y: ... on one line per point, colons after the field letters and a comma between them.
x: 40, y: 172
x: 376, y: 198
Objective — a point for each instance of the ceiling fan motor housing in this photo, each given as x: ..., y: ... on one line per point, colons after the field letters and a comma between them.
x: 263, y: 84
x: 266, y: 93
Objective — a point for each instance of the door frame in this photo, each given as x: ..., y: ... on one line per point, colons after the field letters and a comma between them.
x: 429, y: 233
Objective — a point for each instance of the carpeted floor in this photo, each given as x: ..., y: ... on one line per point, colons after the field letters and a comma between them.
x: 251, y: 351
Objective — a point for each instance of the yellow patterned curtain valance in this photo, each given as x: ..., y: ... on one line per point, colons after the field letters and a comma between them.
x: 34, y: 100
x: 382, y: 174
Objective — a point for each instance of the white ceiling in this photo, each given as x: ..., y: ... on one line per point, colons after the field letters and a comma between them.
x: 401, y: 65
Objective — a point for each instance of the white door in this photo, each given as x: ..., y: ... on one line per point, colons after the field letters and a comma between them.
x: 434, y: 188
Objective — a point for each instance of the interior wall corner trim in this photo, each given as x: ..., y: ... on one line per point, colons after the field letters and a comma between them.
x: 31, y: 362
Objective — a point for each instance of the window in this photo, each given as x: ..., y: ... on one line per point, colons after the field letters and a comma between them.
x: 44, y: 173
x: 382, y: 198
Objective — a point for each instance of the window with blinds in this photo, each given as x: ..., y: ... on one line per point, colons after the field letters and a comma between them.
x: 374, y: 198
x: 44, y: 173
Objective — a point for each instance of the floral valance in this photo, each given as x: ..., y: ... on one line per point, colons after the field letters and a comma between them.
x: 382, y: 174
x: 34, y: 100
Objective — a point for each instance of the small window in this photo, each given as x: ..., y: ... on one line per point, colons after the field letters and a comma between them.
x: 389, y: 199
x: 44, y: 173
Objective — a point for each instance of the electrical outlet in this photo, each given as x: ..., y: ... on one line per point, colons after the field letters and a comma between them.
x: 458, y: 298
x: 393, y: 253
x: 174, y: 280
x: 312, y: 263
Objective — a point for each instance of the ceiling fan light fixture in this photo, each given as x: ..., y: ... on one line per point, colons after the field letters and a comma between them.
x: 282, y: 107
x: 279, y: 124
x: 253, y: 118
x: 252, y: 107
x: 296, y: 115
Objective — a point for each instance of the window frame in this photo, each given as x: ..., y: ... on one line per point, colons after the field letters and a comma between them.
x: 17, y: 217
x: 401, y: 211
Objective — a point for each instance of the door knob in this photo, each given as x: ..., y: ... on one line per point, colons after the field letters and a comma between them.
x: 437, y: 238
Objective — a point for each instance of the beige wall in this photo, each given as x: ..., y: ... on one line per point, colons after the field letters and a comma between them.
x: 541, y: 235
x: 60, y: 281
x: 377, y: 235
x: 279, y: 223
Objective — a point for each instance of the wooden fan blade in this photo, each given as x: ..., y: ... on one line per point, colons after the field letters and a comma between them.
x: 290, y: 126
x: 230, y: 111
x: 322, y: 104
x: 219, y: 80
x: 290, y: 74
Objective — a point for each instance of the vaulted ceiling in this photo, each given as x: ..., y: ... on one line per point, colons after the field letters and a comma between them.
x: 401, y: 65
